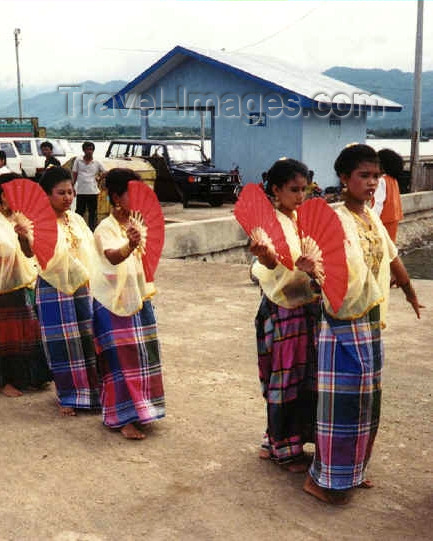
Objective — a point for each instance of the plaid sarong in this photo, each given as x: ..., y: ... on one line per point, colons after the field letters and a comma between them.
x: 22, y: 359
x: 129, y: 362
x: 349, y: 393
x: 67, y: 336
x: 287, y: 364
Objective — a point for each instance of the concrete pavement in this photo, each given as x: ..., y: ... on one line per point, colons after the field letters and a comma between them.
x: 197, y: 476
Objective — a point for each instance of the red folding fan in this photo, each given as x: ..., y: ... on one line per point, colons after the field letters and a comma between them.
x: 32, y: 208
x: 322, y: 239
x: 147, y: 215
x: 257, y: 216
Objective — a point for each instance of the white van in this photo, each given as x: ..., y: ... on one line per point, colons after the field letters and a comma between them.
x: 13, y: 159
x: 32, y: 159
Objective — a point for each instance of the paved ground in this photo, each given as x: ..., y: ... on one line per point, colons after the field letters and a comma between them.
x: 197, y: 476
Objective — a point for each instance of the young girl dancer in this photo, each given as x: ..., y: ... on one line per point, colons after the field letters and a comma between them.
x: 125, y: 326
x: 22, y: 360
x: 350, y: 346
x: 286, y: 326
x: 64, y: 303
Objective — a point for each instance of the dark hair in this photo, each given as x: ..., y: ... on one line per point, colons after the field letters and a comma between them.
x: 117, y: 180
x: 47, y: 144
x: 88, y: 144
x: 351, y: 156
x: 283, y: 171
x: 53, y: 176
x: 7, y: 177
x: 391, y: 162
x: 3, y: 155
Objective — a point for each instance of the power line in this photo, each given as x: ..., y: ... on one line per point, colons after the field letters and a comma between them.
x: 279, y: 31
x: 132, y: 50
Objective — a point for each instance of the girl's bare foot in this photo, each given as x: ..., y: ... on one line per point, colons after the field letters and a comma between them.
x: 333, y: 497
x: 297, y: 466
x: 264, y: 454
x: 130, y: 432
x: 11, y: 391
x: 67, y: 412
x: 366, y: 484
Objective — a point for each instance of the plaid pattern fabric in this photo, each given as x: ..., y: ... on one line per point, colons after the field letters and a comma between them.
x: 22, y: 360
x: 349, y: 393
x: 287, y: 361
x: 129, y: 362
x: 67, y: 336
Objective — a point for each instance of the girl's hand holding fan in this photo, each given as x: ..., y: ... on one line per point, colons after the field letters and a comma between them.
x: 34, y: 217
x: 322, y: 241
x: 146, y: 216
x: 257, y: 216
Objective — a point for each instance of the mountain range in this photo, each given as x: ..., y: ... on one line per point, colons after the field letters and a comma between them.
x: 395, y: 85
x: 56, y: 107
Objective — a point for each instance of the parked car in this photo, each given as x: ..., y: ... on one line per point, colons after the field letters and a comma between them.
x: 13, y: 159
x: 183, y: 172
x: 32, y: 159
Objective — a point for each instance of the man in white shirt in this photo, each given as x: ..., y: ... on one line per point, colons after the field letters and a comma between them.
x: 3, y: 167
x: 84, y: 172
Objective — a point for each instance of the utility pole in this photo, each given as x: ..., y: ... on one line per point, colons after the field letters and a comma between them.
x: 416, y: 113
x: 202, y: 129
x: 17, y: 32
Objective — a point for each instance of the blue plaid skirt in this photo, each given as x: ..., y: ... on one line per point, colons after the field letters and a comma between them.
x: 349, y: 394
x: 67, y: 336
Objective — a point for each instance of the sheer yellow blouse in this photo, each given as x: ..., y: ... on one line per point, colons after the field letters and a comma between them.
x: 16, y: 270
x: 369, y: 252
x: 284, y: 287
x: 75, y: 253
x: 121, y: 288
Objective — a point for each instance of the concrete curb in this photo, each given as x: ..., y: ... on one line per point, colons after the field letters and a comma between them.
x: 203, y: 237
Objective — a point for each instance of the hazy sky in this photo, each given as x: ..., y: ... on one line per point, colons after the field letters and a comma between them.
x: 71, y: 41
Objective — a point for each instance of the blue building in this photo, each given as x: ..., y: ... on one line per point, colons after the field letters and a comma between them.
x: 261, y: 109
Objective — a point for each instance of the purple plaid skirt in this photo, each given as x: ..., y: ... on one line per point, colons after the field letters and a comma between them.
x: 286, y: 340
x: 22, y: 359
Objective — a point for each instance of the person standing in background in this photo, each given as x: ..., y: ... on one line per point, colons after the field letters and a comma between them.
x: 50, y: 159
x: 84, y: 172
x: 3, y: 167
x: 387, y: 200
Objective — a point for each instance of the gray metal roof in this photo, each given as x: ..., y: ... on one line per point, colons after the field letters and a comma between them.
x: 278, y: 75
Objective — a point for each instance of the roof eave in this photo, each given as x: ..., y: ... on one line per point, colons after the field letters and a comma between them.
x: 118, y: 101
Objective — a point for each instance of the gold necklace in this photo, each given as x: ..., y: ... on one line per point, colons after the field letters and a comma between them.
x: 371, y: 244
x: 71, y: 239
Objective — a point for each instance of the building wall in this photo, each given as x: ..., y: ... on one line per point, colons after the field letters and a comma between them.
x: 322, y: 142
x: 252, y: 148
x: 255, y: 148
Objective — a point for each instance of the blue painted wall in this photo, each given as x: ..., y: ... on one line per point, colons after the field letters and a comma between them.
x: 235, y: 140
x: 322, y: 141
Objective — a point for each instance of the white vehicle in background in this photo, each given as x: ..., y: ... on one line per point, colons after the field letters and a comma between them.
x: 32, y: 159
x: 13, y: 159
